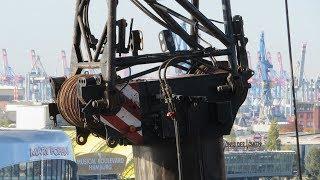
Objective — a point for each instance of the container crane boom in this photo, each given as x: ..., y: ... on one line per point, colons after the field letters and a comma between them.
x: 301, y: 65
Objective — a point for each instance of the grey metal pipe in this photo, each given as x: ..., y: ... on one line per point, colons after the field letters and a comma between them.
x: 100, y: 43
x: 227, y: 17
x: 161, y: 57
x: 194, y: 29
x: 175, y: 27
x: 181, y: 17
x: 76, y: 33
x: 75, y: 58
x: 107, y: 62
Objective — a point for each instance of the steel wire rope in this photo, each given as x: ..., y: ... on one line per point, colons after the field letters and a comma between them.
x: 293, y: 90
x: 166, y: 90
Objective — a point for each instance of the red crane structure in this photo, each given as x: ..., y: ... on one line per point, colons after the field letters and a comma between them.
x: 8, y: 77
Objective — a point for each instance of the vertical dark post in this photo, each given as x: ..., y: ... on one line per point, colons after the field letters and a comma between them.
x: 227, y: 17
x: 108, y: 70
x: 76, y: 33
x: 194, y: 29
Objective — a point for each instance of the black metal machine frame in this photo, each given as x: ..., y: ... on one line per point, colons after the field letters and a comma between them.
x: 221, y: 85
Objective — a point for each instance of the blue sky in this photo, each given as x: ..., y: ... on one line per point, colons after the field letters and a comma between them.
x: 47, y: 26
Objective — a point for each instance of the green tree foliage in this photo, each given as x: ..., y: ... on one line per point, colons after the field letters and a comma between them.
x: 232, y: 137
x: 273, y: 141
x: 5, y: 123
x: 312, y: 162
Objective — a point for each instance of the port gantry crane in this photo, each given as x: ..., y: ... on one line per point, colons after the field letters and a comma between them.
x: 8, y: 75
x: 175, y: 125
x: 265, y: 66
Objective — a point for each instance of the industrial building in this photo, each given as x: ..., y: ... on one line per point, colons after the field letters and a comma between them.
x: 255, y: 165
x: 308, y: 115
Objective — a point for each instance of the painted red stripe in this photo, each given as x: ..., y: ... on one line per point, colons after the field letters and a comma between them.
x: 132, y: 108
x: 134, y: 86
x: 123, y: 128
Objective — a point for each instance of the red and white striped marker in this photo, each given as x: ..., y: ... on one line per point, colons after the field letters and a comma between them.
x: 129, y: 116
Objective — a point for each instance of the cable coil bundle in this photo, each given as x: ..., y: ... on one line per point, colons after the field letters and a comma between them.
x: 68, y: 102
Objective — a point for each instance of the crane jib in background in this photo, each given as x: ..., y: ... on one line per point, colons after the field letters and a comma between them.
x: 37, y: 82
x: 265, y: 66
